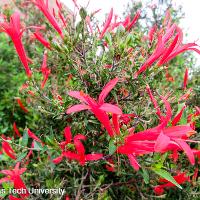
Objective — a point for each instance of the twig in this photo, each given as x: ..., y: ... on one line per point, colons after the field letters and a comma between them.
x: 80, y: 186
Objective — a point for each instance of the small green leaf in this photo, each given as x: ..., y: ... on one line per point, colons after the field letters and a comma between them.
x: 21, y: 156
x: 7, y: 185
x: 108, y: 38
x: 100, y: 180
x: 45, y: 148
x: 83, y: 13
x: 25, y: 138
x: 145, y: 175
x: 37, y: 146
x: 166, y: 175
x: 112, y: 147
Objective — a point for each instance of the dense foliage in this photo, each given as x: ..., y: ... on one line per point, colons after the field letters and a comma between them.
x: 103, y: 112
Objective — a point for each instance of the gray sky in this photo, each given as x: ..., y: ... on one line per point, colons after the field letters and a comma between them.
x: 190, y: 24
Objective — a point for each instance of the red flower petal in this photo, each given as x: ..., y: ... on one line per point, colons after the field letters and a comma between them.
x: 133, y: 22
x: 107, y: 23
x: 178, y: 116
x: 111, y: 108
x: 21, y: 105
x: 68, y: 134
x: 33, y: 136
x: 107, y: 88
x: 16, y: 130
x: 133, y: 162
x: 162, y: 142
x: 77, y: 108
x: 95, y: 156
x: 58, y: 159
x: 8, y: 150
x: 78, y: 95
x: 45, y: 10
x: 115, y: 119
x: 14, y: 198
x: 186, y: 148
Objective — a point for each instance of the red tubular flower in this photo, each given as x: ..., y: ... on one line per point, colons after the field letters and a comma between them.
x: 154, y: 101
x: 186, y: 95
x: 197, y: 113
x: 16, y: 130
x: 167, y: 20
x: 59, y: 4
x: 174, y: 155
x: 158, y: 139
x: 45, y: 70
x: 29, y: 153
x: 42, y: 40
x: 14, y: 198
x: 13, y: 29
x: 179, y: 50
x: 60, y: 15
x: 73, y: 149
x: 14, y: 177
x: 98, y: 108
x: 133, y: 161
x: 107, y: 24
x: 167, y: 48
x: 21, y: 105
x: 135, y: 19
x: 168, y: 51
x: 7, y: 149
x: 185, y: 79
x: 126, y: 118
x: 195, y: 175
x: 67, y: 197
x: 180, y: 178
x: 58, y: 159
x: 110, y: 165
x: 154, y: 56
x: 126, y: 22
x: 62, y: 19
x: 33, y: 136
x: 45, y: 10
x: 158, y: 190
x: 115, y: 119
x: 178, y: 116
x: 151, y: 34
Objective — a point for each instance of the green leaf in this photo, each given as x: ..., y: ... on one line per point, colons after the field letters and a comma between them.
x: 112, y: 147
x: 83, y: 13
x: 166, y: 175
x: 49, y: 183
x: 145, y: 175
x: 183, y: 119
x: 100, y: 180
x: 129, y: 40
x: 21, y: 156
x: 45, y: 148
x: 37, y: 146
x: 25, y: 138
x: 108, y: 38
